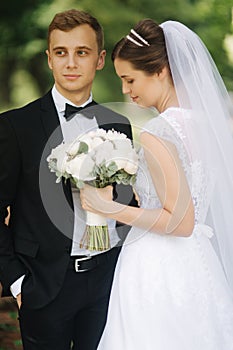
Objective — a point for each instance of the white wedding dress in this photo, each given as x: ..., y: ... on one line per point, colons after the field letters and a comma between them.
x: 170, y: 293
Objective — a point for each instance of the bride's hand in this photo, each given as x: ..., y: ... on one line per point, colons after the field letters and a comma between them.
x: 96, y: 200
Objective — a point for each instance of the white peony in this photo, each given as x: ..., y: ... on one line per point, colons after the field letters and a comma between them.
x: 118, y: 157
x: 100, y: 133
x: 114, y: 135
x: 124, y: 146
x: 103, y: 152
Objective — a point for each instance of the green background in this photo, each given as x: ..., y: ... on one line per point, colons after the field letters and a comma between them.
x: 24, y: 74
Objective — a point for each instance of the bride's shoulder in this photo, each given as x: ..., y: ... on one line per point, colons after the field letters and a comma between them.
x: 170, y: 125
x: 171, y: 118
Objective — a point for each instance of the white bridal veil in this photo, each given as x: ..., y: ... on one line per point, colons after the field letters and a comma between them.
x: 200, y: 88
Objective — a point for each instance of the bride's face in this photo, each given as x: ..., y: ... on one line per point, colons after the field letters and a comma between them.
x: 143, y: 89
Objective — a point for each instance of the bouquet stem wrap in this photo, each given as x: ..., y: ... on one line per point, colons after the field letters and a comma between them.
x: 96, y: 235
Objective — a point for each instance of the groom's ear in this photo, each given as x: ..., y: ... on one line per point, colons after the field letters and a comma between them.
x: 49, y: 58
x: 101, y: 60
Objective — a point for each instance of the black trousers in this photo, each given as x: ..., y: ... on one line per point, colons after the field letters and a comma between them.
x: 76, y: 318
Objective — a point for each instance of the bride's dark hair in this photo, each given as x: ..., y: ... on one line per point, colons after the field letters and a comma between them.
x: 150, y: 59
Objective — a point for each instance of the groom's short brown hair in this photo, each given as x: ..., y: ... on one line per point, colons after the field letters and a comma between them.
x: 68, y: 20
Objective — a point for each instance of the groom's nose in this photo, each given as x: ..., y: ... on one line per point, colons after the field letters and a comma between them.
x: 72, y: 60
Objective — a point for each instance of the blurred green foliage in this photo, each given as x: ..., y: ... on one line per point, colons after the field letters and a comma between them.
x: 24, y: 74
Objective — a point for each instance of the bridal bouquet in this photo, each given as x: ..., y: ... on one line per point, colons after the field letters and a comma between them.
x: 99, y: 158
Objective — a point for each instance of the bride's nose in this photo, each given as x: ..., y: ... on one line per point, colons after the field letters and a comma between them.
x: 125, y: 88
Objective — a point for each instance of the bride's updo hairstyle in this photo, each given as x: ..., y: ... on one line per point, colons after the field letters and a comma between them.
x: 144, y: 48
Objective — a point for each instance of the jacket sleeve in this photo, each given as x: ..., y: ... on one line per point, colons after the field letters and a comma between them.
x: 10, y: 267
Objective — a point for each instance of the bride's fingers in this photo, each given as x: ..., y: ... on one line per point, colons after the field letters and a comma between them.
x: 92, y: 193
x: 83, y: 199
x: 88, y: 197
x: 95, y: 198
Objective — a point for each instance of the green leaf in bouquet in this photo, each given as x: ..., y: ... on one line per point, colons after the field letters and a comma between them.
x: 79, y: 183
x: 111, y: 169
x: 52, y: 164
x: 65, y: 175
x: 107, y: 175
x: 96, y: 170
x: 122, y: 177
x: 83, y: 147
x: 132, y: 179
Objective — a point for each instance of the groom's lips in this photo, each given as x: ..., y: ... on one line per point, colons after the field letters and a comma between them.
x: 72, y: 76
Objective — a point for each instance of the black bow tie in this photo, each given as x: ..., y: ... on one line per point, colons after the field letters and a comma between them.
x: 70, y: 111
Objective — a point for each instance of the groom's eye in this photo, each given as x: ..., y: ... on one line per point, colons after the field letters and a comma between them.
x: 60, y: 52
x: 82, y: 53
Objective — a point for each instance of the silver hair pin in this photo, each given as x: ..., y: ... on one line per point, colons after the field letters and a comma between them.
x: 133, y: 41
x: 139, y: 37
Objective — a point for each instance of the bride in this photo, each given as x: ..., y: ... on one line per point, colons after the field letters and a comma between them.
x: 173, y: 283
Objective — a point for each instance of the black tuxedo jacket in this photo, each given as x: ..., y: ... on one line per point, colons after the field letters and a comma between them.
x: 38, y: 240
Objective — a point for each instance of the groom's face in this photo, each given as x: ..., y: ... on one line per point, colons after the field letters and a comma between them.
x: 73, y: 57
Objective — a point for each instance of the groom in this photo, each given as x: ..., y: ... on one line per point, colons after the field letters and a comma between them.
x: 62, y: 290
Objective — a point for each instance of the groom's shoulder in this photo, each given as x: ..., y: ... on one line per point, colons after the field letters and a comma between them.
x: 28, y: 108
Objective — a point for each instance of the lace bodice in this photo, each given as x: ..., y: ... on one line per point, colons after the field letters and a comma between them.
x: 178, y: 126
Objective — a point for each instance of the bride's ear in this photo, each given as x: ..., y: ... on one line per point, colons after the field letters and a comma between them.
x: 164, y: 73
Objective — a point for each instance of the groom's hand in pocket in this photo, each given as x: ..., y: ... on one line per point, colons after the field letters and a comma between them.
x: 18, y: 299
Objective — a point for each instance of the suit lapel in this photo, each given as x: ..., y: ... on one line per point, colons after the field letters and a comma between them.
x: 50, y: 121
x: 52, y: 128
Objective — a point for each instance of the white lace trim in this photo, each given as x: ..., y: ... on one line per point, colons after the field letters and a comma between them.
x: 171, y: 126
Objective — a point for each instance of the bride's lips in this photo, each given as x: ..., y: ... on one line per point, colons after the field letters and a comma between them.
x: 134, y: 99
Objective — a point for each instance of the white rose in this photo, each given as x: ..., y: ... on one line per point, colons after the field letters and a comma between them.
x: 73, y: 148
x: 61, y: 164
x: 60, y: 155
x: 58, y: 151
x: 131, y: 167
x: 96, y: 142
x: 81, y: 167
x: 87, y: 139
x: 120, y: 163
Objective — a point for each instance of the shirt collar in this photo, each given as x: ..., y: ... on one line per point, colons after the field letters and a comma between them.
x: 60, y: 101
